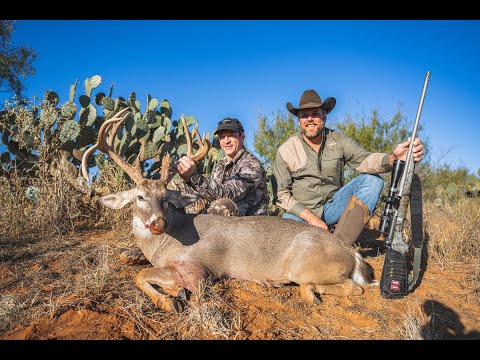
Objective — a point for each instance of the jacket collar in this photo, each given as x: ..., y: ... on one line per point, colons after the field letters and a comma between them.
x: 325, y: 133
x: 237, y: 156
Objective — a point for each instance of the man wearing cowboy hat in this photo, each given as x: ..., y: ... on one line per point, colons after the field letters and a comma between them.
x: 308, y: 171
x: 237, y: 185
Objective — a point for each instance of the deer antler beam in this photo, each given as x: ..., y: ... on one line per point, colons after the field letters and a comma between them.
x: 108, y: 130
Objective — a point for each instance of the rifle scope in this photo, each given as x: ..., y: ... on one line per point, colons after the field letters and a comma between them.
x: 392, y: 200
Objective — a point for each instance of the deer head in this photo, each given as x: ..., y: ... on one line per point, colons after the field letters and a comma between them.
x: 151, y: 198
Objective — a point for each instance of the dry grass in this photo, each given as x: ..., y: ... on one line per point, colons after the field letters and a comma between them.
x: 49, y: 268
x: 14, y: 309
x: 57, y: 208
x: 210, y: 314
x: 113, y: 180
x: 16, y: 209
x: 417, y: 326
x: 453, y: 231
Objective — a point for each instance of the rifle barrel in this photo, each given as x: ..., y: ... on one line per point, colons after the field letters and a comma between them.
x: 413, y: 136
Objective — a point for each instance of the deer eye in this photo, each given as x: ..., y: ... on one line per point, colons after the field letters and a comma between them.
x: 140, y: 198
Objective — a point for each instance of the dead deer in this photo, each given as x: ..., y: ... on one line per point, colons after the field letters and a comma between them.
x: 187, y: 248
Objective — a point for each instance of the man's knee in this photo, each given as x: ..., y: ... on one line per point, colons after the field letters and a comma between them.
x: 224, y: 207
x: 373, y: 182
x: 370, y: 190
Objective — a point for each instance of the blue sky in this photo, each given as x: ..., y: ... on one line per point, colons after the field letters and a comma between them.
x: 211, y: 69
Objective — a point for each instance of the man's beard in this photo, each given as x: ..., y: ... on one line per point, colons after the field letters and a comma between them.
x: 310, y: 135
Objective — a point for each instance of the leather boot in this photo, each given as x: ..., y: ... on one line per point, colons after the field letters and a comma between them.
x: 354, y: 218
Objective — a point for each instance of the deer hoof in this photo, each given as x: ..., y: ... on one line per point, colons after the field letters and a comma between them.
x: 178, y: 305
x: 182, y: 294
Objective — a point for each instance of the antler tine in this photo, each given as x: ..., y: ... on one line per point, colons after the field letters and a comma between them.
x: 188, y: 137
x: 109, y: 128
x: 101, y: 134
x: 103, y: 131
x: 203, y: 144
x: 85, y: 156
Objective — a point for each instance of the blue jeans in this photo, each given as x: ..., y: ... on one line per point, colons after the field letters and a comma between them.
x: 365, y: 187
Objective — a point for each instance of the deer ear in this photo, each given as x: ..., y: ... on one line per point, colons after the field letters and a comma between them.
x: 180, y: 200
x: 118, y: 200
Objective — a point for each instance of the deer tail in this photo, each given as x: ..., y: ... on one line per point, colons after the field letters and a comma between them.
x: 363, y: 272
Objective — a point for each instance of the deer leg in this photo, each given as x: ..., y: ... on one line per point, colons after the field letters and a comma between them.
x: 307, y: 292
x: 347, y: 288
x: 173, y: 300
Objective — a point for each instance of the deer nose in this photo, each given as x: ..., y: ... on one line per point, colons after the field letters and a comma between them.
x: 156, y: 227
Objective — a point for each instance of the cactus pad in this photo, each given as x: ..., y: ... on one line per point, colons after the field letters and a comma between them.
x: 48, y: 116
x: 5, y: 158
x: 69, y: 110
x: 99, y: 97
x: 158, y: 135
x: 451, y: 189
x: 108, y: 103
x: 88, y: 115
x: 28, y: 139
x: 69, y: 131
x: 73, y: 88
x: 95, y: 81
x: 152, y: 105
x: 84, y: 100
x: 51, y: 98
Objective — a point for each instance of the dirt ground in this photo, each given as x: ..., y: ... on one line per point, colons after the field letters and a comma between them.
x: 76, y: 287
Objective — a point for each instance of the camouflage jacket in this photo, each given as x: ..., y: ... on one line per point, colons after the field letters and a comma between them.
x: 242, y: 180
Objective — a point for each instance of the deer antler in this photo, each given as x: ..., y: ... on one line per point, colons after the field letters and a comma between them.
x: 204, y: 146
x: 105, y: 141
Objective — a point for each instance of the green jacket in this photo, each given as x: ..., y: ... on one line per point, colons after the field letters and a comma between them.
x: 307, y: 179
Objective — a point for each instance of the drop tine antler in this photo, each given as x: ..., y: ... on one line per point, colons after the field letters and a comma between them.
x: 204, y: 146
x: 105, y: 141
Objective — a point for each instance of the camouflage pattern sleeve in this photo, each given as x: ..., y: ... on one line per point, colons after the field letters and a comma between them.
x: 246, y: 176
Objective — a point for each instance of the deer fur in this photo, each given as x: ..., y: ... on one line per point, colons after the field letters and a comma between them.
x: 187, y: 248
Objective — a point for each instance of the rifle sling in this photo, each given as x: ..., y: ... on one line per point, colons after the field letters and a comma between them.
x: 416, y: 214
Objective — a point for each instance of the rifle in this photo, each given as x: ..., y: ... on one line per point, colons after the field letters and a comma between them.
x: 397, y: 280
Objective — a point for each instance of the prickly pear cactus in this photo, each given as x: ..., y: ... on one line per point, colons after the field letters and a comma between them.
x: 51, y: 98
x: 92, y: 83
x: 152, y: 104
x: 48, y: 117
x: 451, y: 192
x: 69, y: 131
x: 35, y: 136
x: 69, y: 109
x: 108, y: 103
x: 88, y: 115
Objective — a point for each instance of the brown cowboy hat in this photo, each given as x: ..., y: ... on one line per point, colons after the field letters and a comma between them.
x: 310, y: 99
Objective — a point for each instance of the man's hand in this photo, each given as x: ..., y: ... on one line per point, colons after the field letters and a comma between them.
x: 313, y: 219
x: 401, y: 151
x: 186, y: 167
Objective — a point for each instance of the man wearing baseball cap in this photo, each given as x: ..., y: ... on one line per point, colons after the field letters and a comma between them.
x: 237, y: 185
